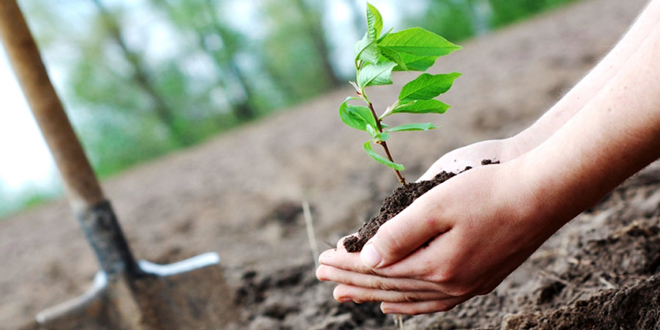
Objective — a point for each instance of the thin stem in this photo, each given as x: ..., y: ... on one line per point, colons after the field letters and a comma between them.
x: 402, y: 180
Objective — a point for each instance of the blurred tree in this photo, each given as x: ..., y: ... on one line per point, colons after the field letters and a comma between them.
x: 142, y: 78
x: 357, y: 13
x: 312, y: 20
x: 509, y: 11
x: 289, y: 51
x: 221, y: 43
x: 453, y: 19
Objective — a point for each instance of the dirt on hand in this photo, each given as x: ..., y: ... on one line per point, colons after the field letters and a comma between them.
x: 400, y: 199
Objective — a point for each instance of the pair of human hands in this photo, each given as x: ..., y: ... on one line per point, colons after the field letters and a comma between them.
x: 479, y: 226
x: 482, y: 224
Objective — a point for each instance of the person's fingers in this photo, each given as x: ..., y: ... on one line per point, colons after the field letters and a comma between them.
x: 344, y: 293
x: 427, y: 264
x: 404, y: 233
x: 328, y: 273
x: 423, y: 307
x: 341, y: 259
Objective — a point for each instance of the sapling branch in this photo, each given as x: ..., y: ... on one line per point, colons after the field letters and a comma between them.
x: 402, y: 180
x: 376, y: 57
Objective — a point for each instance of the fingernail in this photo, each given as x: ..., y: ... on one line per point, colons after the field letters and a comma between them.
x: 370, y: 256
x: 345, y: 299
x: 385, y: 309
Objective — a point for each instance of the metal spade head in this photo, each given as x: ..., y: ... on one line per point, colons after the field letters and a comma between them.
x: 189, y: 294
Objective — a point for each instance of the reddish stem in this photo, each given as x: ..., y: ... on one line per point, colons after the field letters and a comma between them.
x: 402, y: 180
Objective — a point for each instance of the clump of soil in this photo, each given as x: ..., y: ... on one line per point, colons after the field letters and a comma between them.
x: 401, y: 198
x: 636, y: 307
x: 292, y: 298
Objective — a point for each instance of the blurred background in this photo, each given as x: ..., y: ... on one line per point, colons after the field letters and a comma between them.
x: 142, y: 78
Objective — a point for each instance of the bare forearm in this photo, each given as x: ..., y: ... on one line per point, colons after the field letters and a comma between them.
x: 615, y: 135
x: 591, y: 84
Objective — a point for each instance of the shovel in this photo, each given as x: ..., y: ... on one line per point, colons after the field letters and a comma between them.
x: 126, y: 294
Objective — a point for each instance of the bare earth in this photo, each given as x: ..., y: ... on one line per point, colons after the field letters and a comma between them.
x: 240, y: 195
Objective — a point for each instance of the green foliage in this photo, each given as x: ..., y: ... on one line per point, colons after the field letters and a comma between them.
x: 356, y: 116
x: 370, y: 151
x: 452, y: 19
x: 427, y: 86
x: 376, y: 56
x: 27, y: 197
x: 461, y: 19
x: 419, y: 106
x: 375, y: 74
x: 412, y: 127
x: 419, y: 42
x: 293, y: 53
x: 509, y: 11
x: 374, y: 22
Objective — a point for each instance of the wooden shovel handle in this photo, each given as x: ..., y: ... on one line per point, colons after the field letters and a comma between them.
x: 79, y: 179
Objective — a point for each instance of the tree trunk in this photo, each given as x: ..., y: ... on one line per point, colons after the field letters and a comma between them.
x: 244, y: 111
x: 312, y: 19
x: 143, y: 80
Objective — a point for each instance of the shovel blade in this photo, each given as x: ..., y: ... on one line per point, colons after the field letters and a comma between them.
x: 190, y: 294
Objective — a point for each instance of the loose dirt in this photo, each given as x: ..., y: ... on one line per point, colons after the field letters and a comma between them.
x: 239, y: 195
x: 400, y: 199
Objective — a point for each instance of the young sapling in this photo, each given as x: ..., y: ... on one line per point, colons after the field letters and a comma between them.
x: 377, y: 55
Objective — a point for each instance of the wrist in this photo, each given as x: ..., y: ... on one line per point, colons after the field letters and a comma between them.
x: 516, y: 146
x: 551, y: 194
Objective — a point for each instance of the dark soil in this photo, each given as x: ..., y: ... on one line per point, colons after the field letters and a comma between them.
x: 600, y: 272
x: 636, y: 307
x: 400, y: 199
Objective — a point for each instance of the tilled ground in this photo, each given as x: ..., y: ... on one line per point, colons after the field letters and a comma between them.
x: 240, y: 195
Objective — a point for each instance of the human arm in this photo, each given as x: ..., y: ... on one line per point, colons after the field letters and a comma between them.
x: 504, y: 150
x: 484, y: 223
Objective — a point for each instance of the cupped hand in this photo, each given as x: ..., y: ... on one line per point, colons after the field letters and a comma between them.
x: 459, y: 240
x: 472, y: 155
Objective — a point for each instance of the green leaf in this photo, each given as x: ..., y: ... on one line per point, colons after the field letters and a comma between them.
x: 412, y: 127
x: 420, y: 42
x: 374, y: 22
x: 370, y: 151
x: 415, y: 63
x: 355, y: 116
x: 378, y: 136
x: 385, y: 35
x: 376, y: 74
x: 427, y: 86
x: 394, y: 56
x: 367, y: 50
x: 422, y: 106
x: 371, y: 130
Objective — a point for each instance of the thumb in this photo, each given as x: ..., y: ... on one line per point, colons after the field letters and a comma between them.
x: 404, y: 233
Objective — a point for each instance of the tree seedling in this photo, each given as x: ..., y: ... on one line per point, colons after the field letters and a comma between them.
x: 377, y: 55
